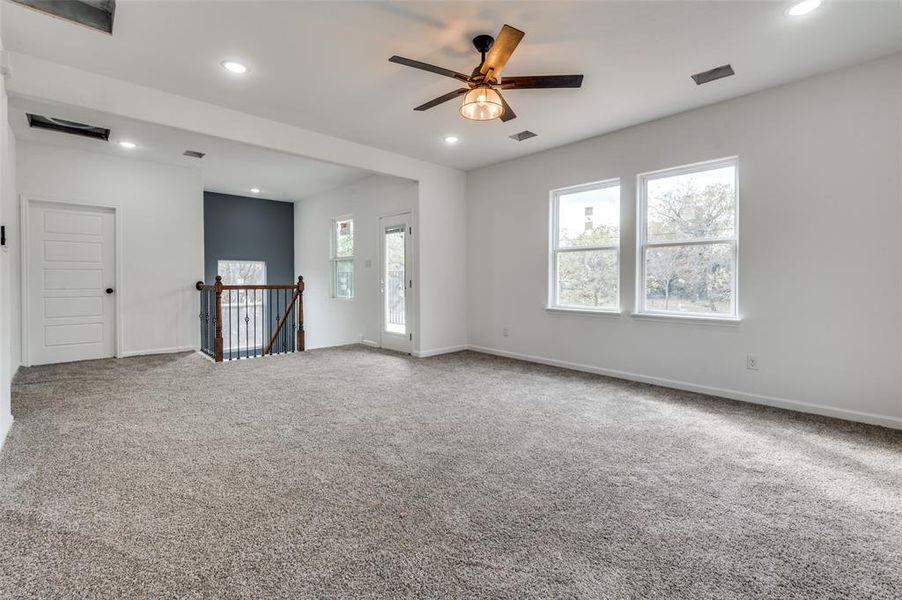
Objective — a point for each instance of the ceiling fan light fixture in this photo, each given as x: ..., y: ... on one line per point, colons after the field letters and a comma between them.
x: 482, y: 104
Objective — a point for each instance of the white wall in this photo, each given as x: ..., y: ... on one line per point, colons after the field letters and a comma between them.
x: 161, y: 209
x: 820, y: 263
x: 334, y: 321
x: 9, y: 359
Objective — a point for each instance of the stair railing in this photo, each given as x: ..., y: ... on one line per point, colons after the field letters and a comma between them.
x: 245, y: 321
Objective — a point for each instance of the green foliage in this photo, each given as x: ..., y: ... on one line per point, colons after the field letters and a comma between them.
x: 589, y: 277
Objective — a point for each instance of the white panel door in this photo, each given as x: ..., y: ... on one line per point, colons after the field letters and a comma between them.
x: 396, y: 282
x: 71, y: 283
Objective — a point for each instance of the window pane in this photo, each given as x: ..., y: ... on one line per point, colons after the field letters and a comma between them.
x: 587, y: 278
x: 589, y: 218
x: 344, y: 278
x: 241, y: 272
x: 395, y: 281
x: 692, y: 205
x: 690, y: 279
x: 242, y: 310
x: 344, y: 238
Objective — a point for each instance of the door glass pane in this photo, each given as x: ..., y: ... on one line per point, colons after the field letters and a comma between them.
x: 692, y: 206
x: 395, y: 278
x: 588, y: 278
x: 242, y: 310
x: 689, y: 279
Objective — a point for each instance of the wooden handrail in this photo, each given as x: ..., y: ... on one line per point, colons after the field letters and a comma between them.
x: 200, y: 285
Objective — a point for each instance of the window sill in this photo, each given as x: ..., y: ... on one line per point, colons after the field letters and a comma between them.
x: 342, y: 298
x: 694, y: 319
x: 592, y: 312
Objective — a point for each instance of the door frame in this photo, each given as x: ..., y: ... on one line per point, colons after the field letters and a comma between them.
x: 411, y: 293
x: 25, y: 201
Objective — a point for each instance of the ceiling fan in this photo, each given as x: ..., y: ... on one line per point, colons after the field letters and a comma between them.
x: 482, y: 96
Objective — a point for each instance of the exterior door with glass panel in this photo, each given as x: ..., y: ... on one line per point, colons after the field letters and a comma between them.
x: 395, y: 282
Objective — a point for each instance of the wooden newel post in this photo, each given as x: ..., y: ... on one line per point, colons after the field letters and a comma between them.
x: 217, y: 342
x: 300, y: 344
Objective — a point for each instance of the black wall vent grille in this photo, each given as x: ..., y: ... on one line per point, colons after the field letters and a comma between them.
x: 70, y: 127
x: 523, y: 135
x: 715, y: 73
x: 96, y: 14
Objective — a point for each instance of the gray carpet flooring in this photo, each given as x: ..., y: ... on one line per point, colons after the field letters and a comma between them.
x: 357, y: 473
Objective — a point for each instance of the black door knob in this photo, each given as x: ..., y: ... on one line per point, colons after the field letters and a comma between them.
x: 109, y: 290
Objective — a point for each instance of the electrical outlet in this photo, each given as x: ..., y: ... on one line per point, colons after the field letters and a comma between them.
x: 751, y: 362
x: 505, y: 332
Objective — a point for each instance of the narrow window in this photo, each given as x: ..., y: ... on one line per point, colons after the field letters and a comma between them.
x: 688, y: 239
x: 585, y: 247
x: 242, y: 310
x: 343, y: 258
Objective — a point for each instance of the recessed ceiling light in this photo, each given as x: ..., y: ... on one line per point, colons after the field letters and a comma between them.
x: 255, y: 190
x: 451, y: 139
x: 234, y: 67
x: 803, y: 8
x: 126, y: 144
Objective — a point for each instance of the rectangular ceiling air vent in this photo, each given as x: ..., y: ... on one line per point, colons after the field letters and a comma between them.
x: 66, y: 126
x: 96, y: 14
x: 193, y: 154
x: 715, y: 73
x: 523, y: 135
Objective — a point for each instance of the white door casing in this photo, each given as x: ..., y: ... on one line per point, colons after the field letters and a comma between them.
x: 395, y: 276
x: 70, y: 264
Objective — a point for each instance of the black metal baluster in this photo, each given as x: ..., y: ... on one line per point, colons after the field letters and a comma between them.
x: 255, y: 323
x: 231, y: 330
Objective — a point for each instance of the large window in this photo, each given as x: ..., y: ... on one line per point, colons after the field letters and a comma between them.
x: 242, y: 310
x: 688, y: 240
x: 343, y: 258
x: 585, y: 247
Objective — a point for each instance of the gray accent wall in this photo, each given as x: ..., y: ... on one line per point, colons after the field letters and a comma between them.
x: 241, y: 228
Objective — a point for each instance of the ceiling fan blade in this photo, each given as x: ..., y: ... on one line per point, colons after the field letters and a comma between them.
x: 501, y: 51
x: 427, y: 67
x: 441, y: 99
x: 508, y: 113
x: 535, y: 82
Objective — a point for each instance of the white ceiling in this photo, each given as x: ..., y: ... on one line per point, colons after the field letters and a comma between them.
x: 324, y: 65
x: 228, y: 167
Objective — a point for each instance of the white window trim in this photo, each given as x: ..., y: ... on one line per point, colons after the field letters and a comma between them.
x: 551, y: 303
x: 334, y: 260
x: 642, y: 245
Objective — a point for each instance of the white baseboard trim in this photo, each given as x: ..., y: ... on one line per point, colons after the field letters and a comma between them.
x: 370, y: 343
x: 805, y: 407
x: 6, y: 422
x: 437, y: 351
x: 158, y: 351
